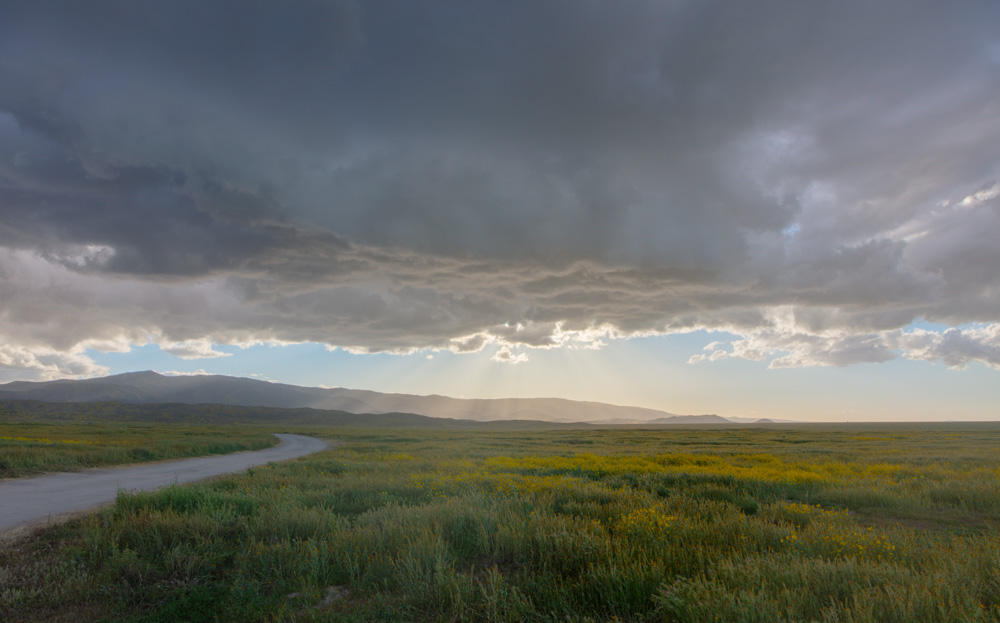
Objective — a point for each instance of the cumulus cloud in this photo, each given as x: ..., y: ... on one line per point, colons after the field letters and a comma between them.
x: 506, y: 355
x: 44, y: 364
x: 198, y: 372
x: 401, y: 176
x: 955, y: 348
x: 192, y: 349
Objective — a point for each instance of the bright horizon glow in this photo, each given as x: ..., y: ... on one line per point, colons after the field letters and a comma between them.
x: 645, y: 372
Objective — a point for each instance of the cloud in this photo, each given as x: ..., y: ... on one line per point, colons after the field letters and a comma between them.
x: 198, y: 372
x: 192, y: 349
x: 394, y: 177
x: 469, y: 344
x: 44, y: 364
x: 506, y: 355
x: 955, y: 348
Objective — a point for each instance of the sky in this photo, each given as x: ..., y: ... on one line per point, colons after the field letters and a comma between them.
x: 776, y: 209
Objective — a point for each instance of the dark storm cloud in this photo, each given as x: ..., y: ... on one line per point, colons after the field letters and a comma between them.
x: 398, y: 175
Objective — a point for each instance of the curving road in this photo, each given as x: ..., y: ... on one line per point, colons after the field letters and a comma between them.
x: 29, y: 500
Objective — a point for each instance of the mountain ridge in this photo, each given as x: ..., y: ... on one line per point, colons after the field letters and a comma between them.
x: 148, y: 387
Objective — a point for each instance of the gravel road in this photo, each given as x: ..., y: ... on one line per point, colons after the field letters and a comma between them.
x: 43, y: 499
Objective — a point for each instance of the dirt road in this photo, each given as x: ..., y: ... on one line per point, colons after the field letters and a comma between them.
x: 45, y: 498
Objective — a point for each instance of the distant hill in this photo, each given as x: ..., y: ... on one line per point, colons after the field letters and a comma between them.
x: 691, y: 419
x: 152, y: 388
x: 214, y: 415
x: 751, y: 420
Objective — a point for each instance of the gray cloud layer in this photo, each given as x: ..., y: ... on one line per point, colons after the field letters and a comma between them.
x: 398, y: 175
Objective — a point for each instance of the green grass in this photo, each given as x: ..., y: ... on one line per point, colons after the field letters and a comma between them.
x: 836, y: 523
x: 34, y: 448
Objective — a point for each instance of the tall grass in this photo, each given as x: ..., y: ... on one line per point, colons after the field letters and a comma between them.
x: 681, y: 525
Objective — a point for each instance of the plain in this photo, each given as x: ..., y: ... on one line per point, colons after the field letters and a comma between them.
x: 774, y: 523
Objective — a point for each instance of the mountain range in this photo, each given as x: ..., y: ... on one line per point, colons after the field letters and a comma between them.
x: 150, y: 387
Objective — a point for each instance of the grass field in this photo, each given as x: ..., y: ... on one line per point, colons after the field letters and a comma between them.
x: 34, y: 448
x: 835, y: 523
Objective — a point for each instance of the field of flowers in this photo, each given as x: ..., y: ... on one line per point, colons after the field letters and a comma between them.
x: 836, y: 523
x: 33, y: 448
